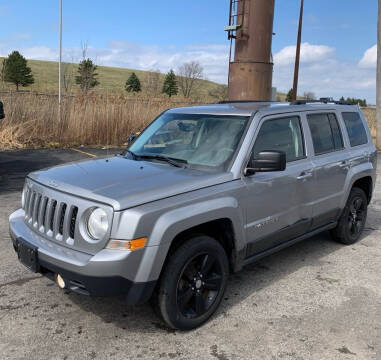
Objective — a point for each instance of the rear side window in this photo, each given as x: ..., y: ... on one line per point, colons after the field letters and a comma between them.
x: 355, y: 128
x: 283, y: 134
x: 326, y: 133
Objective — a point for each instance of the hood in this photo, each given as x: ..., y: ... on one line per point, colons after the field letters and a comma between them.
x: 124, y: 183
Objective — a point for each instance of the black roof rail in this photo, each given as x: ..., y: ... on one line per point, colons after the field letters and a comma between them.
x: 320, y: 101
x: 243, y: 101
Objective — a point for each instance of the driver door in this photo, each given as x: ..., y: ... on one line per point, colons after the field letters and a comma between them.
x: 277, y: 203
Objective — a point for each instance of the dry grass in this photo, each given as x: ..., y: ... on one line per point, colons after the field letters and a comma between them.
x: 370, y: 114
x: 32, y: 120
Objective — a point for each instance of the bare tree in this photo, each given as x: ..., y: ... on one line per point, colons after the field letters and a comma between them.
x: 188, y: 75
x: 87, y: 76
x: 309, y: 95
x: 219, y: 92
x: 68, y: 71
x: 84, y: 47
x: 152, y: 82
x: 68, y: 74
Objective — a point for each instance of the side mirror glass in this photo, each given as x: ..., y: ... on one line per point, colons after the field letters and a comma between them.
x: 267, y: 161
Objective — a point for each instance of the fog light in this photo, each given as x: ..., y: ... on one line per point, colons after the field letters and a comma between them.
x: 60, y: 281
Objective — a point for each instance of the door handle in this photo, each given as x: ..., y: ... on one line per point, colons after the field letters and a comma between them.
x: 304, y: 175
x: 344, y: 164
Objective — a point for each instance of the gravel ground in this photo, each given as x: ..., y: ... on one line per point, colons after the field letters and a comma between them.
x: 315, y: 300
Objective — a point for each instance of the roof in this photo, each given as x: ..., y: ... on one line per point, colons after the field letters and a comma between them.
x: 248, y: 108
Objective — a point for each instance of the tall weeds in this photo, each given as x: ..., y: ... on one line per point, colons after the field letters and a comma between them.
x: 32, y: 119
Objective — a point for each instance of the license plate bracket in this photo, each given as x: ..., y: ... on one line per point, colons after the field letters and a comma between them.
x: 28, y: 255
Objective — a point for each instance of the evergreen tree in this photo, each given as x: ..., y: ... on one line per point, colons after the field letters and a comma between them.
x: 170, y: 84
x: 87, y: 77
x: 16, y: 71
x: 289, y: 96
x: 133, y: 84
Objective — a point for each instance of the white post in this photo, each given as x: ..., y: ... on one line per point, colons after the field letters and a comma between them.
x: 60, y: 60
x: 378, y: 110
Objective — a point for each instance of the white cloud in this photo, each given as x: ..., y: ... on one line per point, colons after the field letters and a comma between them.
x: 328, y: 77
x: 320, y: 70
x: 213, y: 58
x: 40, y: 53
x: 369, y: 60
x: 308, y: 54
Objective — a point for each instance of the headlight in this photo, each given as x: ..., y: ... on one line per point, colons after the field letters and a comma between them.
x: 23, y: 195
x: 97, y: 224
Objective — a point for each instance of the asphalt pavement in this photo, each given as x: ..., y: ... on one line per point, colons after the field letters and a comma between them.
x: 315, y: 300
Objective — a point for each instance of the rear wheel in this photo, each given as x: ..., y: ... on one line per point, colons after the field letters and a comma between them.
x: 352, y: 221
x: 193, y: 283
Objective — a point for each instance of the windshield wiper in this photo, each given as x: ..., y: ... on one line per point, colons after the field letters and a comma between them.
x: 170, y: 160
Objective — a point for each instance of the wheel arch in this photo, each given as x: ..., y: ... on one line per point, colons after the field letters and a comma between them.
x: 366, y: 184
x: 219, y: 218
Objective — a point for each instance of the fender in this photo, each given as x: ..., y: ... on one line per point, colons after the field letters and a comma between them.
x: 178, y: 220
x: 355, y: 173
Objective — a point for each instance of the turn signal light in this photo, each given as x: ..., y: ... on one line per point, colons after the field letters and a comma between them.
x: 127, y: 244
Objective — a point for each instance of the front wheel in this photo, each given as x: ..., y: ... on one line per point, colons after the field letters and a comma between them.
x: 352, y: 221
x: 193, y: 283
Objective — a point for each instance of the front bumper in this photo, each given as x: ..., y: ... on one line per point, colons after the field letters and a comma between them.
x: 107, y: 273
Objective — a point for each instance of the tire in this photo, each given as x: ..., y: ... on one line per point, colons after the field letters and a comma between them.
x: 353, y: 218
x: 193, y: 283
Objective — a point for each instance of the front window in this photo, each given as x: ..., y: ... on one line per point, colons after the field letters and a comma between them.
x: 282, y: 134
x: 201, y: 140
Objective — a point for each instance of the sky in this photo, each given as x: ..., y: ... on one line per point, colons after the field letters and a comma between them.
x: 338, y: 55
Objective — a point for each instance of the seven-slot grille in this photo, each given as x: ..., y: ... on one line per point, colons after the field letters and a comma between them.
x: 50, y: 217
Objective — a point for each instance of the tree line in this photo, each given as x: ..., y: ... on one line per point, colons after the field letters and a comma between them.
x: 15, y: 70
x: 308, y: 95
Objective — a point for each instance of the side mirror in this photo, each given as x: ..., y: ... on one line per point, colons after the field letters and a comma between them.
x: 267, y: 161
x: 131, y: 139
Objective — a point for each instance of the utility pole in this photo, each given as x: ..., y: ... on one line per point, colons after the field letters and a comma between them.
x: 60, y: 61
x: 378, y: 110
x: 297, y: 57
x: 251, y: 71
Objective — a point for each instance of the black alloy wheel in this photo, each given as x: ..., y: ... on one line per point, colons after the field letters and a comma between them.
x: 193, y: 283
x: 353, y: 218
x: 356, y: 216
x: 198, y: 285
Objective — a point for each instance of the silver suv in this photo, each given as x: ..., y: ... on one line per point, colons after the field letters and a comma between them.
x: 202, y: 191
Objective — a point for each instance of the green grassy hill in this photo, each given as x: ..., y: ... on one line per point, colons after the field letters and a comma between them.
x: 111, y: 79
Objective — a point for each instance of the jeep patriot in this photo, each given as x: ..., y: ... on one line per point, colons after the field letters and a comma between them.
x: 201, y: 192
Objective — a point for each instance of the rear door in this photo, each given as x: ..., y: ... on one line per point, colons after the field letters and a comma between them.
x: 331, y: 162
x: 277, y: 204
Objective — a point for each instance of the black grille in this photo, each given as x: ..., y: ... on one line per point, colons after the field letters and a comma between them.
x: 73, y: 220
x: 62, y: 218
x: 45, y: 206
x: 54, y: 205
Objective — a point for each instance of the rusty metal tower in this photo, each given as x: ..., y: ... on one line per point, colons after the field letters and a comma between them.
x: 251, y: 29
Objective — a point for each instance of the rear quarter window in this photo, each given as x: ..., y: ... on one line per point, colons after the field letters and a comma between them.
x: 325, y: 132
x: 355, y: 128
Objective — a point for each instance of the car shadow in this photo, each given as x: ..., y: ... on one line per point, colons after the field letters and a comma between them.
x: 253, y: 278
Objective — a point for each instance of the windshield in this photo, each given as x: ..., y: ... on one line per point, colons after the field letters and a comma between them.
x: 196, y: 139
